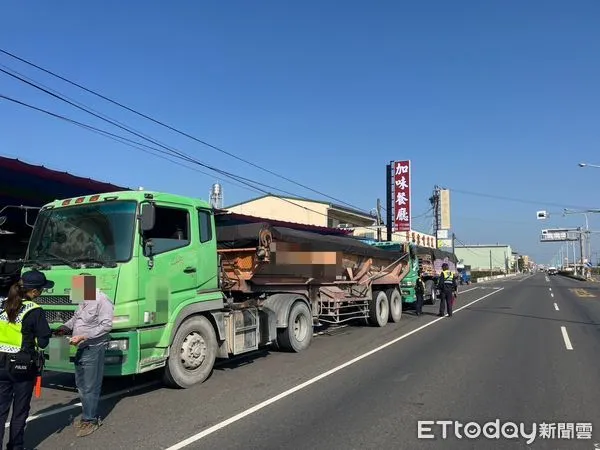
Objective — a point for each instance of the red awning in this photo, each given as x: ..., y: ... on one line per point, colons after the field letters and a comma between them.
x: 27, y: 184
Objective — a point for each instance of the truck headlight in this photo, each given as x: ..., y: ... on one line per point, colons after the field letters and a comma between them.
x: 119, y: 345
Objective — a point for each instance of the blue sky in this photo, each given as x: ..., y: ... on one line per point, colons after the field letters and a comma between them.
x: 496, y: 98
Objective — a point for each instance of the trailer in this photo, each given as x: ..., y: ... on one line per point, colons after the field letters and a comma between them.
x: 189, y: 288
x: 427, y: 260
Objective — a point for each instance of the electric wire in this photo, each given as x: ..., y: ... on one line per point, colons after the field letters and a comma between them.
x: 172, y: 128
x: 139, y: 146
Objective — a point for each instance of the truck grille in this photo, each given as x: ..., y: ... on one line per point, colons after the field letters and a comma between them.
x: 58, y: 316
x: 54, y: 300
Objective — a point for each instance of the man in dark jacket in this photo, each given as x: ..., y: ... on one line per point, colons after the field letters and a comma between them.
x: 419, y: 294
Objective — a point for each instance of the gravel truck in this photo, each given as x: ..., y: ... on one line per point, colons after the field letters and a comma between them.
x: 428, y: 260
x: 188, y: 290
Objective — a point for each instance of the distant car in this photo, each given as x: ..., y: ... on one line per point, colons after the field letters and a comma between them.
x: 552, y: 271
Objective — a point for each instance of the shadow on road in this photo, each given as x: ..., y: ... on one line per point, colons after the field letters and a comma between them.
x: 491, y: 311
x: 62, y: 415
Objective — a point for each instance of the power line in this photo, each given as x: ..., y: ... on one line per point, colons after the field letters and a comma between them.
x: 137, y: 144
x: 123, y: 140
x: 140, y: 135
x: 158, y: 122
x: 518, y: 200
x: 467, y: 248
x: 143, y: 147
x: 60, y: 96
x: 176, y: 153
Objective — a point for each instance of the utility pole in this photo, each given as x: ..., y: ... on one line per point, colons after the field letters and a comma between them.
x: 435, y: 202
x: 581, y: 249
x: 379, y: 220
x: 453, y: 239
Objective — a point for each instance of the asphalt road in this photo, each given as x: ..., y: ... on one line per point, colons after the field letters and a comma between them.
x: 522, y: 350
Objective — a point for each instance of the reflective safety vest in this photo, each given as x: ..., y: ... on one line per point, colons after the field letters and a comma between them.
x: 448, y: 277
x: 11, y: 337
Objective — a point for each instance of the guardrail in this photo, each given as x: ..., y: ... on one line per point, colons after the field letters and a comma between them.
x: 495, y: 277
x: 572, y: 276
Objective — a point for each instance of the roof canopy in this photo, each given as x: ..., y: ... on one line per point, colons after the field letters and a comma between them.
x: 30, y: 185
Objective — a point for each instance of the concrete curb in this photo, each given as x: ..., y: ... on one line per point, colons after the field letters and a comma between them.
x: 573, y: 277
x: 495, y: 277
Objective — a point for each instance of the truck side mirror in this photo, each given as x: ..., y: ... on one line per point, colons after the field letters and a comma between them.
x: 147, y: 217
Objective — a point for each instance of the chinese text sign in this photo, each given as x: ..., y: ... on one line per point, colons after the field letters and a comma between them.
x: 401, y: 190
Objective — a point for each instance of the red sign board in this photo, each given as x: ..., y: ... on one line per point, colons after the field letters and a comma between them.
x: 401, y: 190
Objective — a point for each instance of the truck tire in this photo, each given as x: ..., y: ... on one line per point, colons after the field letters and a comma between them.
x: 433, y: 295
x: 299, y: 332
x: 395, y: 301
x: 379, y: 309
x: 192, y: 354
x: 430, y: 292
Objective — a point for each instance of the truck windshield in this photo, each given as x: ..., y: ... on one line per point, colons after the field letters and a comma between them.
x: 101, y: 232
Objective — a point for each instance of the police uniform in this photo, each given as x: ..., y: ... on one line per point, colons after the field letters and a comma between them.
x: 446, y: 286
x: 30, y: 330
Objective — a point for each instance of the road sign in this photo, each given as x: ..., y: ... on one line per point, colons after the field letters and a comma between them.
x: 559, y: 235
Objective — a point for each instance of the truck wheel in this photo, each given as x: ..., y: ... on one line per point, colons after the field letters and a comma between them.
x: 395, y: 300
x: 379, y: 309
x: 433, y: 297
x: 430, y: 292
x: 298, y: 334
x: 192, y: 354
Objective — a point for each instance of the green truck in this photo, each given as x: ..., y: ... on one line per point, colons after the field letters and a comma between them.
x: 189, y: 288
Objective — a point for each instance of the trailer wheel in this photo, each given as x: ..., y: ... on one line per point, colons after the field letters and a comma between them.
x: 430, y: 288
x: 379, y: 309
x: 433, y: 295
x: 395, y: 300
x: 299, y: 332
x: 192, y: 354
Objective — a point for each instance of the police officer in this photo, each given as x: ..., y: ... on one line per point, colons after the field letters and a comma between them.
x: 447, y: 284
x: 419, y: 293
x: 23, y: 327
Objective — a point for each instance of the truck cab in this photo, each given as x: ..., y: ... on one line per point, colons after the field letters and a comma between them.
x: 155, y: 267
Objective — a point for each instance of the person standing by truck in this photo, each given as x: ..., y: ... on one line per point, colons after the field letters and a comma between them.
x: 446, y: 285
x: 23, y: 330
x: 90, y: 327
x: 419, y: 293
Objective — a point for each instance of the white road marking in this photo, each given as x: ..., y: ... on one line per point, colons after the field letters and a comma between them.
x: 314, y: 380
x: 566, y: 338
x: 550, y: 288
x: 468, y: 290
x: 552, y: 294
x: 547, y: 280
x: 556, y: 307
x: 78, y: 405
